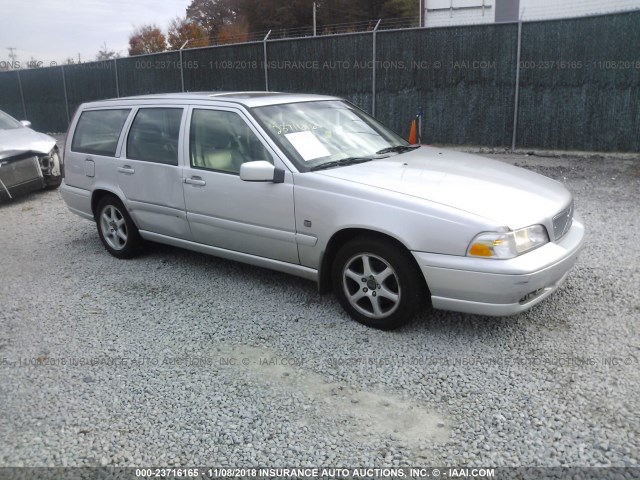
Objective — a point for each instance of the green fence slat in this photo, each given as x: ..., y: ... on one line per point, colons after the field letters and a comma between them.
x: 579, y: 80
x: 44, y: 98
x: 89, y: 81
x: 145, y: 74
x: 228, y: 68
x: 463, y: 77
x: 10, y: 101
x: 580, y: 84
x: 336, y: 65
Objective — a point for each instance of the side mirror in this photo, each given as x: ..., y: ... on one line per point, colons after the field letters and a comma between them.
x: 261, y: 171
x: 25, y: 123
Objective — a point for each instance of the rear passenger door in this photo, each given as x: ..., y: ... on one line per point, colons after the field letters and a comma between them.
x: 149, y: 172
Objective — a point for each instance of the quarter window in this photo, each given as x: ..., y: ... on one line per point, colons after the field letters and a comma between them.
x: 98, y: 131
x: 222, y: 141
x: 154, y: 135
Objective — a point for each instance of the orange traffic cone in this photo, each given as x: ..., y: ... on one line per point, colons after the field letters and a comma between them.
x: 413, y: 134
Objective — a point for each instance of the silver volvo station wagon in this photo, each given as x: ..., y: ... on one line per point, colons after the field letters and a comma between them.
x: 315, y: 187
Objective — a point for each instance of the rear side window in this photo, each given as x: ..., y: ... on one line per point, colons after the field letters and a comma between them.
x: 154, y: 134
x: 98, y: 131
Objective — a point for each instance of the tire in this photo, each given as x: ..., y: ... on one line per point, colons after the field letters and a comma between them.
x: 378, y: 283
x: 53, y: 181
x: 117, y: 231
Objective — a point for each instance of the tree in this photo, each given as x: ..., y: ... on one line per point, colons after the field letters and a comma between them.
x: 331, y: 12
x: 340, y: 11
x: 212, y: 15
x: 238, y: 32
x: 105, y: 54
x: 147, y: 39
x: 398, y: 8
x: 272, y: 14
x: 223, y: 19
x: 183, y: 29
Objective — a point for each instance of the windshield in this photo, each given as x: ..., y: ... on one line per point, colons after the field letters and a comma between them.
x: 8, y: 122
x: 315, y: 133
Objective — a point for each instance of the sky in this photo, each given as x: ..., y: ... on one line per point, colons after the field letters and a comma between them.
x: 54, y: 30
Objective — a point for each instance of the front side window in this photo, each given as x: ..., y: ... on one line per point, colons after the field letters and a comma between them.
x: 154, y: 135
x: 98, y: 131
x: 222, y: 141
x: 315, y: 133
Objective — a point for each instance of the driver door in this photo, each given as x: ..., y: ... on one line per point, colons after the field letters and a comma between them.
x: 223, y: 211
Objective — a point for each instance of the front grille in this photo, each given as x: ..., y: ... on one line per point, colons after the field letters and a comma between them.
x: 562, y: 222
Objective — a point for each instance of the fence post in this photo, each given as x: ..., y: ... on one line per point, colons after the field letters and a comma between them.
x: 115, y: 62
x: 266, y: 70
x: 517, y: 92
x: 373, y: 73
x: 182, y: 66
x: 66, y: 98
x: 24, y: 108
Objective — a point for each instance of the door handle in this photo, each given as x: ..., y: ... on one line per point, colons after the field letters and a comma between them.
x: 195, y: 181
x: 126, y: 169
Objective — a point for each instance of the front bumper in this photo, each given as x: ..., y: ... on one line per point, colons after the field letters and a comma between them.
x: 500, y: 287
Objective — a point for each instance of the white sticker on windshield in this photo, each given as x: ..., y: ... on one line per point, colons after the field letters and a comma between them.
x: 307, y: 145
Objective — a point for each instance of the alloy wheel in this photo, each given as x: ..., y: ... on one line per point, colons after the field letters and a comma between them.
x: 371, y: 285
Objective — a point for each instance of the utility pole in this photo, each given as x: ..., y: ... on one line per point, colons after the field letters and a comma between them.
x: 314, y: 19
x: 12, y: 53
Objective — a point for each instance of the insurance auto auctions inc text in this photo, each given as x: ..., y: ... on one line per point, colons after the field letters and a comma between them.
x: 347, y: 473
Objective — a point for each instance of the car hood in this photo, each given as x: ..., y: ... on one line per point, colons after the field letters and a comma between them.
x: 507, y: 195
x: 20, y: 140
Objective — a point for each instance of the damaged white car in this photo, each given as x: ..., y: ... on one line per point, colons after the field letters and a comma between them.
x: 29, y: 160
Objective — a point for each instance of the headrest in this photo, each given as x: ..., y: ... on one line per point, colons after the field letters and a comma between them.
x: 215, y: 133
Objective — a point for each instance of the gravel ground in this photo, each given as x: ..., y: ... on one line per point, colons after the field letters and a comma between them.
x: 176, y: 358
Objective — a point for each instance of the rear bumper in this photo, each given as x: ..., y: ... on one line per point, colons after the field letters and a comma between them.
x: 500, y: 287
x: 78, y: 200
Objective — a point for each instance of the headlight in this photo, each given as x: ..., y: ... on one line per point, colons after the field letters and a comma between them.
x: 44, y: 161
x: 50, y: 163
x: 508, y: 245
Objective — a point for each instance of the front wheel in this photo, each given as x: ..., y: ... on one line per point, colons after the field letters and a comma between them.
x: 117, y: 231
x: 377, y: 283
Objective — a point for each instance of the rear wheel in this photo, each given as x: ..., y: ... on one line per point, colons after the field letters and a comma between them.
x: 377, y: 283
x: 117, y: 231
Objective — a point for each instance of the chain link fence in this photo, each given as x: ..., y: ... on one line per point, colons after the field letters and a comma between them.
x: 569, y: 84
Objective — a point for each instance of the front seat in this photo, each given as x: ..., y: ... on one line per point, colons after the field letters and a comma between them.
x: 216, y: 150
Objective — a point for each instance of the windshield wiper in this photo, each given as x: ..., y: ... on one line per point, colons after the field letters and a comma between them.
x: 398, y: 149
x: 342, y: 163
